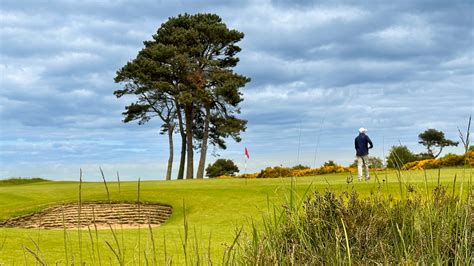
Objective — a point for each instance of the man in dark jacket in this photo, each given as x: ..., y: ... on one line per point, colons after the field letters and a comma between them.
x: 362, y: 145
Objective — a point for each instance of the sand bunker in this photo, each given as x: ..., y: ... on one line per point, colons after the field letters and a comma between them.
x: 99, y: 214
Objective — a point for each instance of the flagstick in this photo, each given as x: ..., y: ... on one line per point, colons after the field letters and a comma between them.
x: 245, y: 169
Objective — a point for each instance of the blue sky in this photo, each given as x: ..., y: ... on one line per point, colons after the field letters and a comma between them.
x: 319, y: 72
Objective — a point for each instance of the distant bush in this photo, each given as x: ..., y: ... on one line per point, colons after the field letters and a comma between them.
x: 300, y: 167
x: 21, y: 181
x: 221, y: 167
x: 398, y: 156
x: 328, y: 167
x: 332, y: 169
x: 329, y: 163
x: 253, y: 175
x: 423, y: 156
x: 448, y: 160
x: 278, y: 171
x: 374, y: 162
x: 451, y: 159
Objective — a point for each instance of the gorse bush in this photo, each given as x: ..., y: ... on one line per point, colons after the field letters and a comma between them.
x: 299, y: 171
x: 330, y: 229
x: 300, y: 167
x: 446, y: 161
x: 278, y: 171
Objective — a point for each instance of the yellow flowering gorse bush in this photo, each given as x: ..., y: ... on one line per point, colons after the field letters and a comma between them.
x: 448, y: 160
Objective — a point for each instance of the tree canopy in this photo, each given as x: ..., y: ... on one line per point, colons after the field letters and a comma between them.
x: 184, y: 76
x: 432, y: 139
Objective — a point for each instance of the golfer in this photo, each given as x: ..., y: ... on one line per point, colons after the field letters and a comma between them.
x: 362, y: 145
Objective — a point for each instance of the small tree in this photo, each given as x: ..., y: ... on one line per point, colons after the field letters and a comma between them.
x: 221, y: 167
x: 398, y: 156
x: 432, y: 139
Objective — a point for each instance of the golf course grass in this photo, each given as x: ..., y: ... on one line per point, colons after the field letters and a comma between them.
x: 206, y: 214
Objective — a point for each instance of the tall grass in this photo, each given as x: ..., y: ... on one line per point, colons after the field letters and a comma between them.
x: 138, y: 207
x: 431, y: 228
x: 79, y: 235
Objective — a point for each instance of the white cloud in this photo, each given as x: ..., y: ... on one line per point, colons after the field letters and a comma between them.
x: 263, y: 13
x: 19, y: 76
x: 463, y: 61
x: 327, y: 69
x: 83, y: 93
x: 411, y: 32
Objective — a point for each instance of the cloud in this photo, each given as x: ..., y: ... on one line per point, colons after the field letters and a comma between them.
x: 319, y: 72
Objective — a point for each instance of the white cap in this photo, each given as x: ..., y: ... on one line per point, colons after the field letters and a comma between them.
x: 362, y: 130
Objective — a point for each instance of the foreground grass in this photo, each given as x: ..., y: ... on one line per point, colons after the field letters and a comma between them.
x: 213, y: 209
x: 343, y: 229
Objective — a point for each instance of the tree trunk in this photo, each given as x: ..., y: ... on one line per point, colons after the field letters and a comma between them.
x: 440, y: 150
x: 189, y: 140
x: 170, y: 159
x: 202, y: 159
x: 182, y: 159
x: 430, y: 151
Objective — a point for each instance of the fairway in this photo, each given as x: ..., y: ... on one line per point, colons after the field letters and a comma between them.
x: 214, y: 210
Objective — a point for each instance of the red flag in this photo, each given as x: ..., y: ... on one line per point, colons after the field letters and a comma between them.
x: 247, y: 153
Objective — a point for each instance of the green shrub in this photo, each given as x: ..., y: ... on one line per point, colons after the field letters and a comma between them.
x: 221, y: 167
x: 300, y: 167
x: 398, y: 156
x: 374, y: 162
x: 329, y: 163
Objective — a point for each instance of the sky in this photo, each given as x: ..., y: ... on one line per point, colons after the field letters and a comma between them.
x: 319, y: 72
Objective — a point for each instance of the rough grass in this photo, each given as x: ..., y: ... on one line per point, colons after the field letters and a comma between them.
x: 435, y: 228
x: 214, y: 210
